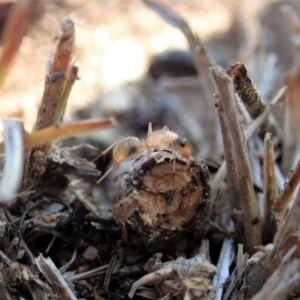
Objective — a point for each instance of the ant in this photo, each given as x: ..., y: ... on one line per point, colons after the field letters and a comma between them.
x: 131, y: 147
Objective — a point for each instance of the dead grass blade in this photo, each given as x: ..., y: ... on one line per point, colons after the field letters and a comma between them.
x: 237, y: 160
x: 64, y: 131
x: 13, y: 163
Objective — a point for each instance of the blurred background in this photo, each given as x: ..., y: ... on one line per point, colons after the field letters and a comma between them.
x: 126, y: 72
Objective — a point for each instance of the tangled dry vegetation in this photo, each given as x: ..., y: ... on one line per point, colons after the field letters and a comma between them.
x: 163, y: 224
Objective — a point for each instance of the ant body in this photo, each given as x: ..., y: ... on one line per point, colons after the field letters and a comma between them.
x: 131, y: 147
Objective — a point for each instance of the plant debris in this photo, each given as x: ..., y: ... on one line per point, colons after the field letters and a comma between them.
x: 147, y: 218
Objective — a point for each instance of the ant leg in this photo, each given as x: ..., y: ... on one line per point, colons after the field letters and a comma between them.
x: 150, y: 128
x: 105, y: 151
x: 105, y: 174
x: 98, y: 181
x: 166, y: 154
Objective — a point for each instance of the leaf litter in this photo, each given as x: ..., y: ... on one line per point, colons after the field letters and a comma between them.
x: 163, y: 224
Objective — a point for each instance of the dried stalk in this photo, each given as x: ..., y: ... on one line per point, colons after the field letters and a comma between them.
x: 49, y: 109
x: 270, y: 186
x: 271, y: 216
x: 56, y: 78
x: 278, y: 99
x: 237, y: 160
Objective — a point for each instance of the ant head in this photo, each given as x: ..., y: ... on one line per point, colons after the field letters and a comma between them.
x: 184, y: 147
x: 182, y: 142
